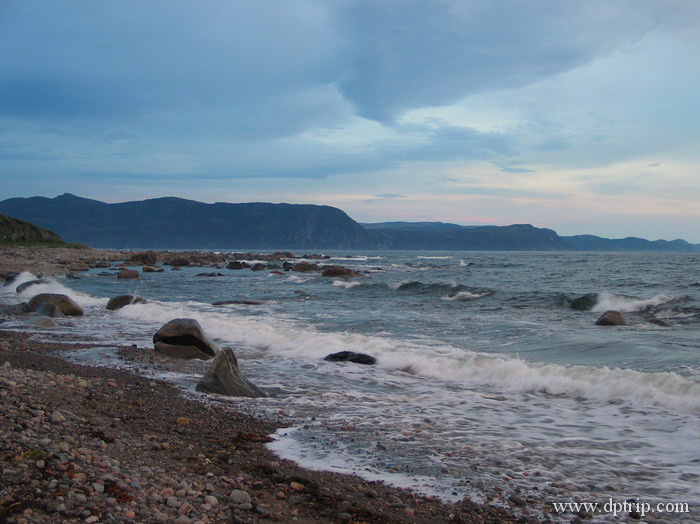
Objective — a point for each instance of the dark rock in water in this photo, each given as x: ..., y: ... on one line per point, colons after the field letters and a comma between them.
x: 584, y: 303
x: 63, y: 302
x: 611, y: 318
x: 659, y: 322
x: 276, y: 272
x: 338, y: 271
x: 147, y: 258
x: 120, y: 301
x: 258, y: 267
x: 48, y: 309
x: 210, y: 275
x: 128, y: 274
x: 184, y: 338
x: 151, y: 269
x: 15, y: 309
x: 350, y: 356
x: 225, y: 378
x: 31, y: 283
x: 246, y: 302
x: 179, y: 262
x: 695, y: 284
x: 78, y: 266
x: 72, y: 276
x: 235, y: 265
x: 304, y: 267
x: 10, y: 278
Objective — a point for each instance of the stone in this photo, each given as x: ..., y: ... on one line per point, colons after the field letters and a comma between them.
x: 48, y: 309
x: 350, y: 356
x: 178, y: 262
x: 235, y: 265
x: 24, y: 285
x: 585, y: 302
x: 305, y: 267
x: 225, y: 378
x: 78, y: 266
x: 238, y: 496
x: 147, y: 258
x: 42, y: 322
x: 120, y: 301
x: 184, y: 338
x: 611, y: 318
x: 66, y: 304
x: 338, y: 271
x: 659, y: 322
x: 128, y: 274
x: 151, y: 269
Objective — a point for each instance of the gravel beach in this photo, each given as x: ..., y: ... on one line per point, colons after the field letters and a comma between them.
x: 94, y: 444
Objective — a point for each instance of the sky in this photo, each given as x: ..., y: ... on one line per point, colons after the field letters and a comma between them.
x: 580, y: 116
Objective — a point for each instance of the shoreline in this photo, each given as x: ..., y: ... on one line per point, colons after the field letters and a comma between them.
x: 97, y: 444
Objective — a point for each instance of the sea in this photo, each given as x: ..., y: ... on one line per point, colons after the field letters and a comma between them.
x: 488, y: 385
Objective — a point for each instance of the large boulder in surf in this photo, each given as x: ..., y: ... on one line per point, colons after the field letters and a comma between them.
x: 48, y: 309
x: 120, y: 301
x: 128, y: 274
x: 184, y: 338
x: 12, y: 276
x: 611, y: 318
x: 25, y: 285
x: 225, y: 378
x: 350, y: 356
x: 585, y: 302
x: 338, y: 271
x: 66, y: 304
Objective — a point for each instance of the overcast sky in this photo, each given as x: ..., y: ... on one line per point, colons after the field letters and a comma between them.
x: 581, y: 116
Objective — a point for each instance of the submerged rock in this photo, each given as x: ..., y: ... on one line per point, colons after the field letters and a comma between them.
x: 41, y: 322
x: 584, y: 303
x: 63, y: 302
x: 24, y: 285
x: 659, y: 322
x: 225, y: 378
x: 48, y: 309
x: 128, y: 274
x: 338, y: 271
x: 184, y: 338
x: 611, y: 318
x: 120, y: 301
x: 350, y: 356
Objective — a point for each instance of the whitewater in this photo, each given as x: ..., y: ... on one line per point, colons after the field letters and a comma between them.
x: 487, y: 384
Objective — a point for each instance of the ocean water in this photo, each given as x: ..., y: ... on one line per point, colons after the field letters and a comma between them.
x: 488, y: 385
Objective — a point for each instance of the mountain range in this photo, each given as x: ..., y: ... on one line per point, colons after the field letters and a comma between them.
x: 176, y: 223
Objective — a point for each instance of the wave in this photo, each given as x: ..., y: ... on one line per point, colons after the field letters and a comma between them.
x: 464, y: 296
x: 346, y: 285
x: 435, y: 258
x: 626, y: 304
x: 50, y: 285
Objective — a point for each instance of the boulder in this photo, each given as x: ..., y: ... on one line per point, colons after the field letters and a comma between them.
x: 120, y: 301
x: 67, y: 306
x: 147, y: 258
x: 305, y: 267
x: 151, y: 269
x: 78, y: 266
x: 225, y: 378
x: 48, y: 309
x: 235, y: 265
x: 338, y: 271
x: 585, y: 302
x: 350, y: 356
x: 659, y: 322
x: 611, y: 318
x: 23, y: 286
x: 258, y: 267
x: 184, y: 338
x: 179, y: 262
x: 128, y: 274
x: 10, y: 278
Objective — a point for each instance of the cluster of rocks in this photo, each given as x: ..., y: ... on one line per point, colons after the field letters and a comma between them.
x: 610, y: 317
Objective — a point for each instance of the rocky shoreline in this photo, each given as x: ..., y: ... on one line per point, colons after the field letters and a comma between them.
x: 94, y: 444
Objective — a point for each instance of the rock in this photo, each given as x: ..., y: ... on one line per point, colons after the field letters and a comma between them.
x: 78, y: 266
x: 235, y: 265
x: 42, y: 322
x: 178, y: 262
x: 184, y: 338
x: 585, y: 302
x: 659, y: 322
x: 23, y: 286
x: 147, y: 258
x: 120, y: 301
x: 350, y: 356
x: 151, y: 269
x: 258, y: 267
x: 246, y: 302
x: 14, y: 309
x: 305, y: 267
x: 63, y: 302
x: 225, y: 378
x: 611, y: 318
x: 48, y: 309
x: 238, y: 496
x: 128, y: 274
x: 12, y: 276
x: 338, y: 271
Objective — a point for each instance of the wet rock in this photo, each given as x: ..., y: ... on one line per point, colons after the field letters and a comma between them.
x: 23, y: 286
x: 48, y: 309
x: 585, y: 302
x: 10, y: 278
x: 128, y: 274
x: 63, y: 302
x: 350, y: 356
x: 178, y: 262
x: 184, y: 338
x: 151, y: 269
x: 225, y: 378
x: 147, y: 258
x: 42, y: 322
x: 78, y: 266
x: 305, y: 267
x: 338, y: 271
x: 611, y: 318
x: 120, y: 301
x: 659, y: 322
x: 235, y: 265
